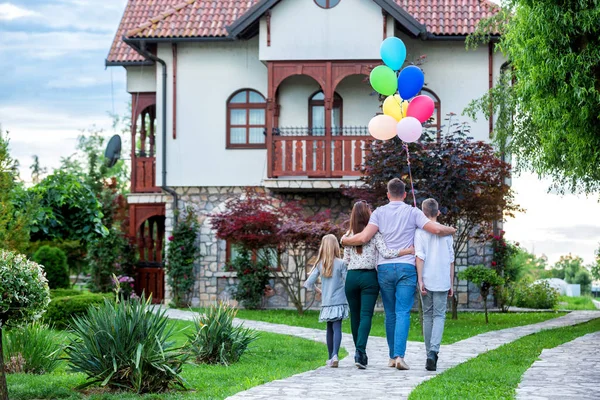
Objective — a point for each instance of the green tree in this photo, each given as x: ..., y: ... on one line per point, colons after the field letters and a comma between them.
x: 55, y: 266
x: 485, y: 279
x: 548, y: 100
x: 584, y: 279
x: 37, y: 170
x: 567, y: 268
x: 14, y: 221
x: 533, y: 268
x: 68, y: 210
x: 595, y: 268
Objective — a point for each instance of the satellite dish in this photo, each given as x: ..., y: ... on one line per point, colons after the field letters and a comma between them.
x: 113, y: 151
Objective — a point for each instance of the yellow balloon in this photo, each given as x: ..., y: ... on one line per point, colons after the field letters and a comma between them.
x: 392, y: 106
x: 404, y: 108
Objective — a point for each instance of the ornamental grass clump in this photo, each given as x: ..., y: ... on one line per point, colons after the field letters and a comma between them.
x: 33, y: 349
x: 126, y: 346
x: 216, y: 340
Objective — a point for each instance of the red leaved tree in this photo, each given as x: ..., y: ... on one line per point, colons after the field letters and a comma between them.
x: 466, y: 177
x: 257, y: 221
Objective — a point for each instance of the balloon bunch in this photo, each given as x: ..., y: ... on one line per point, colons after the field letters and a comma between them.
x: 400, y: 116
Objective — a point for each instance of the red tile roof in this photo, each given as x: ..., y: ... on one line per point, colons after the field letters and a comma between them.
x: 449, y: 17
x: 209, y: 18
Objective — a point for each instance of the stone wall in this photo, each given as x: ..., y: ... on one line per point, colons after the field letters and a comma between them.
x: 215, y: 283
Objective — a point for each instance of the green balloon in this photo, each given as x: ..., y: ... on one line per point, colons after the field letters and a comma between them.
x: 383, y: 80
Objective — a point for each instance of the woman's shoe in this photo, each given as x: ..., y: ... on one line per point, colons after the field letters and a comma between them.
x: 334, y: 361
x: 401, y: 365
x: 392, y: 363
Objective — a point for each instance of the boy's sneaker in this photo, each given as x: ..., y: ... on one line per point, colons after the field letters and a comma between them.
x: 431, y: 363
x: 361, y: 360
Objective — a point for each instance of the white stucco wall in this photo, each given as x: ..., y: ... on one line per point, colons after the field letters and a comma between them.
x: 141, y: 79
x: 301, y: 30
x: 456, y: 75
x: 294, y: 93
x: 359, y: 105
x: 207, y: 74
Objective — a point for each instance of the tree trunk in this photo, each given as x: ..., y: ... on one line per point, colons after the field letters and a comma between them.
x: 3, y: 386
x: 485, y: 308
x: 454, y: 306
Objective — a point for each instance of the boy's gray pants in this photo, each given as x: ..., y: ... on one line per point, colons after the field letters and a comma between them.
x: 434, y: 316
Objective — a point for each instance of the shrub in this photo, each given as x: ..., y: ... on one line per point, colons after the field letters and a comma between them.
x: 252, y: 279
x: 537, y: 295
x: 125, y: 345
x: 216, y: 340
x: 61, y: 310
x: 24, y: 295
x: 55, y: 265
x: 182, y: 253
x: 483, y: 277
x: 55, y: 293
x: 111, y: 254
x: 32, y: 348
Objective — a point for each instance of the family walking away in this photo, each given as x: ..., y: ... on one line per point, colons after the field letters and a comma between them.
x: 379, y: 257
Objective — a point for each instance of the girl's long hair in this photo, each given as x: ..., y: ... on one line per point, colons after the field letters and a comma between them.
x: 328, y: 252
x: 361, y: 213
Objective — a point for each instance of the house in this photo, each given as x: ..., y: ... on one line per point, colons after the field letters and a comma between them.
x: 271, y: 94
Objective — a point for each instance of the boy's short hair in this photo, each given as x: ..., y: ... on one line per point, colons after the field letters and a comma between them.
x: 396, y: 188
x: 430, y: 208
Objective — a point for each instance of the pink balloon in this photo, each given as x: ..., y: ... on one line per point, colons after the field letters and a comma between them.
x: 409, y: 129
x: 382, y: 127
x: 421, y: 107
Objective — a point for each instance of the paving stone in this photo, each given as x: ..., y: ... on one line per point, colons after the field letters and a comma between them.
x: 569, y: 371
x: 379, y: 381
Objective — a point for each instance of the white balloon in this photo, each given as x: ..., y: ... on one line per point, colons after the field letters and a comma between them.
x: 382, y: 127
x: 409, y: 129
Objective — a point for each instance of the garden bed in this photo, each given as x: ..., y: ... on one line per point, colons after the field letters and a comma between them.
x: 271, y: 357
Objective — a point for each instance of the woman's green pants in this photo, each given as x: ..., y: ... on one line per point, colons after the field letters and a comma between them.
x: 362, y: 290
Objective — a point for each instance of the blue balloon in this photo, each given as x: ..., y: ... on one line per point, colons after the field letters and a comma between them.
x: 393, y: 52
x: 410, y: 82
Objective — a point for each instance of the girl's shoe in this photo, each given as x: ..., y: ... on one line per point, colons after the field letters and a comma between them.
x: 334, y: 362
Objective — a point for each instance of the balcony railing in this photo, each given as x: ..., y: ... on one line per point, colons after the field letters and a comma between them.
x: 310, y: 152
x: 145, y: 175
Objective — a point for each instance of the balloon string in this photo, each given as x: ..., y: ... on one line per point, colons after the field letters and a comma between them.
x: 412, y: 188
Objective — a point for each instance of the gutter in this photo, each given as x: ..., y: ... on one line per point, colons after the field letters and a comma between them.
x: 141, y: 49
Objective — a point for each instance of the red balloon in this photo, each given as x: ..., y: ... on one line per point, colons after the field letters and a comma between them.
x: 421, y: 108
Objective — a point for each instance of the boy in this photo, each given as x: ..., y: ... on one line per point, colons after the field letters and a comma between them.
x: 435, y: 271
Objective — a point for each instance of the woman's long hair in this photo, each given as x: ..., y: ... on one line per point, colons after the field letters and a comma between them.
x: 328, y: 252
x: 361, y: 213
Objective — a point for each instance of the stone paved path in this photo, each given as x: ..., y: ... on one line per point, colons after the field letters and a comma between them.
x: 569, y: 371
x: 379, y: 381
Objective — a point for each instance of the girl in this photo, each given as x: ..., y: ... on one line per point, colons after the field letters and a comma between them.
x: 334, y: 307
x: 362, y: 288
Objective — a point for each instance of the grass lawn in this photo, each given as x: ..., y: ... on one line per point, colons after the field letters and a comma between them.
x: 576, y: 303
x: 467, y: 325
x: 271, y: 357
x: 497, y: 373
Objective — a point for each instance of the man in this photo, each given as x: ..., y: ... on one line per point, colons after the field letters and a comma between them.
x: 397, y: 222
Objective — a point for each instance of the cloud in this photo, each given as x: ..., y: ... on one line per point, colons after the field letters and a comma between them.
x: 9, y: 12
x: 49, y: 45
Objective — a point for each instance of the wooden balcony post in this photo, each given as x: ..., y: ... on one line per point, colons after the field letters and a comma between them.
x: 328, y: 92
x: 133, y: 131
x: 269, y: 118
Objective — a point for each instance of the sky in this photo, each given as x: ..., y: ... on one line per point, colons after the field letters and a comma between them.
x: 53, y: 84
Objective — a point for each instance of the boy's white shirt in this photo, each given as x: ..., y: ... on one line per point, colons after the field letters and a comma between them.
x: 437, y: 254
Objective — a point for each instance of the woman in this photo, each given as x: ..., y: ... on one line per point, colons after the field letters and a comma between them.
x: 362, y: 288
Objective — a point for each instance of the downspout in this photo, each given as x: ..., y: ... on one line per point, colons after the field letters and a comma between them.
x: 142, y: 50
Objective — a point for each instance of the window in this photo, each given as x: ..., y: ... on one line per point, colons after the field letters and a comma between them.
x: 316, y: 114
x: 327, y: 3
x: 246, y: 111
x: 436, y: 119
x: 233, y: 250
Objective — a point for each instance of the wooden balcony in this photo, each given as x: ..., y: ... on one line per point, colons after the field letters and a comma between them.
x: 144, y: 173
x: 313, y: 153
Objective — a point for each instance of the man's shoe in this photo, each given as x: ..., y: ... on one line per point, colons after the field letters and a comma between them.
x: 392, y: 363
x: 401, y: 365
x: 361, y: 360
x: 431, y: 363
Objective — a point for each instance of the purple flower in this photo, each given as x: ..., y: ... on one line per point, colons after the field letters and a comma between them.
x: 171, y: 238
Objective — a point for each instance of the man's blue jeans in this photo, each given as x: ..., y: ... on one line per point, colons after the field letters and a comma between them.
x: 398, y: 283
